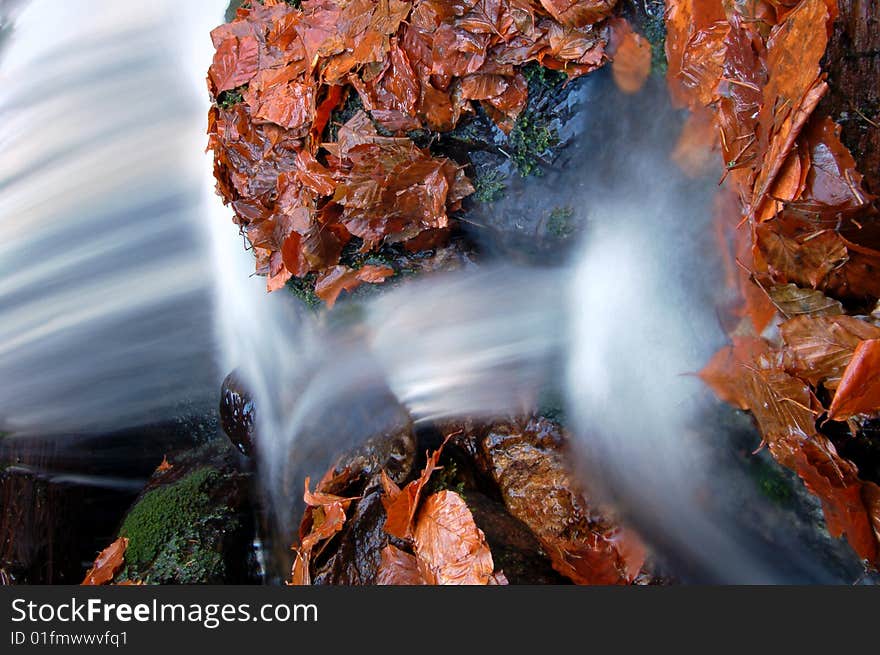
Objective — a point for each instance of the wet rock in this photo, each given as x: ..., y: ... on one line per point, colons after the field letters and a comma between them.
x: 193, y: 523
x: 393, y: 452
x: 356, y: 551
x: 238, y: 413
x: 515, y: 549
x: 526, y: 459
x: 519, y: 177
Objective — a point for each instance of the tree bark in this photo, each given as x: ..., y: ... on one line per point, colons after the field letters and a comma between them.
x: 852, y: 61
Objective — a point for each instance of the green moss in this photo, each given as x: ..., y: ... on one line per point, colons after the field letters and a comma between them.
x: 446, y: 478
x: 230, y: 98
x: 771, y: 482
x: 655, y: 31
x: 186, y: 560
x: 164, y: 514
x: 304, y: 289
x: 561, y: 222
x: 529, y: 141
x: 489, y: 185
x: 532, y: 136
x: 544, y: 78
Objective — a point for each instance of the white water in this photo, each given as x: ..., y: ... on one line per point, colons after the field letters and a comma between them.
x: 104, y: 283
x: 115, y: 247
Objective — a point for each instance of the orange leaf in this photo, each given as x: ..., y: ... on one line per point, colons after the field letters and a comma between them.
x: 631, y: 59
x: 859, y: 388
x: 165, y: 465
x: 398, y: 567
x: 450, y: 547
x: 108, y: 562
x: 400, y: 505
x: 822, y: 346
x: 340, y: 278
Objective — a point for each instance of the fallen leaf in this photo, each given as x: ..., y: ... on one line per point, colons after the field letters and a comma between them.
x: 335, y: 280
x: 821, y: 347
x: 451, y: 549
x: 107, y: 564
x: 793, y: 301
x: 397, y: 567
x: 401, y: 504
x: 859, y: 388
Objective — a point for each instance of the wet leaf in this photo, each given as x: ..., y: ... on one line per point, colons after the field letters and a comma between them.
x: 581, y: 538
x: 335, y: 280
x: 235, y: 63
x: 836, y: 482
x: 859, y: 388
x: 793, y: 301
x: 165, y: 465
x: 398, y: 567
x: 821, y: 347
x: 451, y: 549
x: 107, y: 564
x: 401, y: 504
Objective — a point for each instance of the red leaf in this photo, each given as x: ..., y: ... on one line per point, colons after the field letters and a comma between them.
x: 235, y: 63
x: 451, y: 549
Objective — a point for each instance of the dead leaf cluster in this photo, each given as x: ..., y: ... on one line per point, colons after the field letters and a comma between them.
x: 281, y: 74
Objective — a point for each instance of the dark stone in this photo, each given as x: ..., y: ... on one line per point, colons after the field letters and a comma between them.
x: 238, y: 413
x: 356, y: 551
x: 515, y: 550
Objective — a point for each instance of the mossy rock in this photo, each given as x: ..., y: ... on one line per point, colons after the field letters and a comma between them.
x: 193, y: 523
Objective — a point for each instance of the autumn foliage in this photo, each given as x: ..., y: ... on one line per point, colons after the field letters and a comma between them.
x: 302, y: 186
x: 800, y: 236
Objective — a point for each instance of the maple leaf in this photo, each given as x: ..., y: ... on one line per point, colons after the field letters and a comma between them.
x: 107, y: 564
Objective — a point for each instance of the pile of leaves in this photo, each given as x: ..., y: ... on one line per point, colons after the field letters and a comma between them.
x: 428, y: 526
x: 302, y: 187
x: 436, y: 539
x: 801, y: 239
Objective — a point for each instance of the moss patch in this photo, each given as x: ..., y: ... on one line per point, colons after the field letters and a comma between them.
x: 230, y: 98
x: 489, y: 185
x: 561, y: 222
x: 304, y: 289
x: 771, y: 482
x: 530, y: 140
x: 655, y: 31
x: 164, y: 514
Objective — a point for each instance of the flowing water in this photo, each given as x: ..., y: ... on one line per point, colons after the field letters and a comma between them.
x: 125, y: 289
